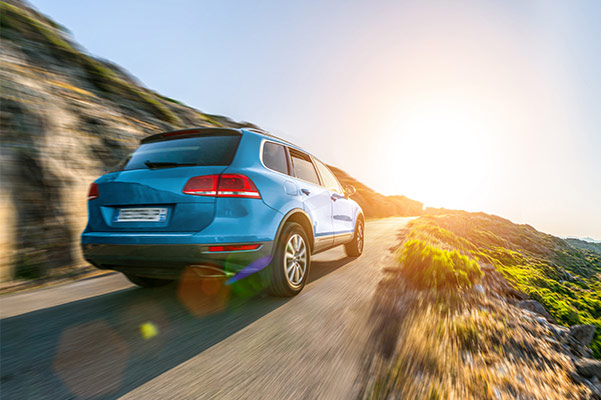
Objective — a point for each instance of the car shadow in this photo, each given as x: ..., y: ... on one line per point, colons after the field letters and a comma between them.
x: 106, y: 346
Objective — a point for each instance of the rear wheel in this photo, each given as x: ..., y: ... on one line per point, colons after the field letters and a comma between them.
x: 291, y: 262
x: 147, y: 282
x: 354, y: 248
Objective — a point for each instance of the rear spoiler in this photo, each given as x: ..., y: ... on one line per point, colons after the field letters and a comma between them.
x: 183, y: 133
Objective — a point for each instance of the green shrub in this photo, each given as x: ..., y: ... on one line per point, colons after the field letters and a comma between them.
x: 429, y: 267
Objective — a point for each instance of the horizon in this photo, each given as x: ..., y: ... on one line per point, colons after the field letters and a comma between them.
x: 484, y: 106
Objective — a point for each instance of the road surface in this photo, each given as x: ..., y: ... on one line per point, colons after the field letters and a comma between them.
x: 105, y: 338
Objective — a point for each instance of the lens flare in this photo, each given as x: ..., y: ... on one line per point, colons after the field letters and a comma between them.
x: 149, y: 330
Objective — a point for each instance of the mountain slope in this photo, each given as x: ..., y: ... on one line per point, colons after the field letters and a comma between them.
x: 68, y: 117
x: 565, y: 279
x: 375, y: 204
x: 452, y: 318
x: 585, y: 245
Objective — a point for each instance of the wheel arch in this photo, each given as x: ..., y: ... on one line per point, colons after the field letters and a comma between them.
x: 302, y: 218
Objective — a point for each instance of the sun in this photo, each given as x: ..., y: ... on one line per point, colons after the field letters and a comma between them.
x: 442, y: 151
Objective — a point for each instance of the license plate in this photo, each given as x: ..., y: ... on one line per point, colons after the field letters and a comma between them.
x: 141, y: 215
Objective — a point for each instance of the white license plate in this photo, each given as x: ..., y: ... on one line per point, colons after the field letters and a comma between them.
x: 141, y: 215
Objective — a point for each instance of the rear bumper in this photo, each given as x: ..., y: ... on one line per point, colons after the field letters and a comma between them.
x: 169, y: 260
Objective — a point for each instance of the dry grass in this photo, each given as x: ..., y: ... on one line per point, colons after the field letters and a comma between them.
x: 480, y: 348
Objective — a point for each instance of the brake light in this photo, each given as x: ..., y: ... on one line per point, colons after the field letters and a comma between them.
x: 202, y: 185
x: 182, y: 132
x: 235, y: 185
x: 238, y: 247
x: 93, y: 193
x: 225, y: 185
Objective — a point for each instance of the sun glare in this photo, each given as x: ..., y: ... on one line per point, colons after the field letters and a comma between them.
x: 444, y: 151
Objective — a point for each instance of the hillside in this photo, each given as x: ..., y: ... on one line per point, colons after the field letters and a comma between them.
x: 565, y: 279
x: 465, y: 297
x: 585, y: 245
x: 375, y: 204
x: 68, y: 117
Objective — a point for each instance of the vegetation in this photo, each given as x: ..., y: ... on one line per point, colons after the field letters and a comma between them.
x: 435, y: 338
x: 430, y: 267
x: 566, y: 280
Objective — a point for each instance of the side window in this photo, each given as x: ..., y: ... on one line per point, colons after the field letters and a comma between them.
x: 274, y: 157
x: 303, y: 167
x: 329, y: 180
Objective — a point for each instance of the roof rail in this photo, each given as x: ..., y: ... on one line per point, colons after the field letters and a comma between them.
x: 265, y: 133
x: 253, y: 129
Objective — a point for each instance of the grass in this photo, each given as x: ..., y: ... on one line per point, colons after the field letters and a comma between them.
x: 429, y: 267
x: 435, y: 338
x: 481, y: 351
x: 566, y: 280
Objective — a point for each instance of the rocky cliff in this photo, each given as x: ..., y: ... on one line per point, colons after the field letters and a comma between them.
x: 66, y: 118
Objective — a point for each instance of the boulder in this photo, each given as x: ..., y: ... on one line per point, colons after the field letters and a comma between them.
x: 588, y: 368
x: 583, y: 333
x: 535, y: 307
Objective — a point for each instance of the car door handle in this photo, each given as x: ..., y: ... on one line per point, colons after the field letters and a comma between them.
x: 306, y: 191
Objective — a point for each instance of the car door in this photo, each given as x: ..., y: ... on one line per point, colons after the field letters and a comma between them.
x: 315, y: 198
x: 342, y: 208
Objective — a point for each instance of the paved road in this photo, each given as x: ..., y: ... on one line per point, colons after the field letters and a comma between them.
x: 104, y: 338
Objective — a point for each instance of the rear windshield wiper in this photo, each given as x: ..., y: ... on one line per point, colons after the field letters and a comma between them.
x: 167, y: 164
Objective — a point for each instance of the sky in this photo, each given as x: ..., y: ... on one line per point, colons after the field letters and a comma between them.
x: 490, y: 106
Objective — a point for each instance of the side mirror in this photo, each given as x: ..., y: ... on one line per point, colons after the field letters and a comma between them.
x: 349, y: 190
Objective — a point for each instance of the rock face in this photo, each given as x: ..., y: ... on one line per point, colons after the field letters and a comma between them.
x: 583, y: 333
x: 66, y: 118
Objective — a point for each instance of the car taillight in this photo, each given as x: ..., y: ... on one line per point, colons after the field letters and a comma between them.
x: 93, y: 193
x: 225, y: 185
x: 235, y: 185
x: 202, y: 185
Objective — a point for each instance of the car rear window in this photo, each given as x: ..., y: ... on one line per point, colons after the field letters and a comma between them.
x: 204, y: 151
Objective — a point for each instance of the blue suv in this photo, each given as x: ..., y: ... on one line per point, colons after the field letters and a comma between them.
x: 226, y: 202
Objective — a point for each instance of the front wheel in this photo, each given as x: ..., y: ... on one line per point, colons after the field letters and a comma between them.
x: 147, y: 282
x: 291, y: 262
x: 354, y: 248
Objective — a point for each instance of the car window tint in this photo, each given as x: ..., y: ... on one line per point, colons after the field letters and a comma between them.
x: 202, y: 150
x: 303, y: 167
x: 274, y: 157
x: 329, y: 180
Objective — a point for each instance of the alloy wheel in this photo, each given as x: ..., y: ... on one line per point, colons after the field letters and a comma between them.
x: 295, y: 260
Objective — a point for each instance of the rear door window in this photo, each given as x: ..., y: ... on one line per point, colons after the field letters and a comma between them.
x: 303, y: 167
x: 274, y: 157
x: 212, y: 150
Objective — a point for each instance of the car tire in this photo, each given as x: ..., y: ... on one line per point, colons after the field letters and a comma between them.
x: 147, y: 282
x: 291, y: 262
x: 354, y: 248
